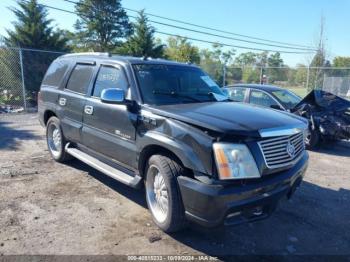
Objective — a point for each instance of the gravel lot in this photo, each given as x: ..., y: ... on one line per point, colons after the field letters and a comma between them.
x: 51, y: 208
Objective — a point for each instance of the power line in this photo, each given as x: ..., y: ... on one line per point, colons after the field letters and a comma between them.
x: 227, y: 37
x: 222, y: 31
x: 229, y: 45
x: 194, y: 39
x: 286, y: 45
x: 220, y: 36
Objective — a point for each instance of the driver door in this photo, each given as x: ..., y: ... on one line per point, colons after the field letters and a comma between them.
x: 109, y: 129
x: 260, y: 98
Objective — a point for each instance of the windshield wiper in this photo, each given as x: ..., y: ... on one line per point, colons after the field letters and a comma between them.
x: 174, y: 94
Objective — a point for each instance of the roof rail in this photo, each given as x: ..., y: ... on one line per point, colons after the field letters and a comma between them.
x: 88, y: 53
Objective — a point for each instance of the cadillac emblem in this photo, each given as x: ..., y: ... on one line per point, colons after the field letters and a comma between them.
x: 290, y: 150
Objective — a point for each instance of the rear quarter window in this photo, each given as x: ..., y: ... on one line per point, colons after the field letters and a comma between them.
x: 55, y: 73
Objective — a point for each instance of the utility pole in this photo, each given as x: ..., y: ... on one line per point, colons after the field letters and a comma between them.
x: 224, y: 76
x: 307, y: 77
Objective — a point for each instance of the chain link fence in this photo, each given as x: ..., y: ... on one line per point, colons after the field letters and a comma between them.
x: 301, y: 80
x: 21, y: 73
x: 22, y: 70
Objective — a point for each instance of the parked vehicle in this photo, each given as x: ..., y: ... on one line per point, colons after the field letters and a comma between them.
x: 327, y: 114
x: 263, y: 95
x: 168, y: 126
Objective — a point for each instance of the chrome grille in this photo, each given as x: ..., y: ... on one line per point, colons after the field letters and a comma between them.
x: 278, y: 151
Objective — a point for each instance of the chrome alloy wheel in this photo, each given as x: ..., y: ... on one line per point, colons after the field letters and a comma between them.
x: 54, y: 139
x: 157, y: 194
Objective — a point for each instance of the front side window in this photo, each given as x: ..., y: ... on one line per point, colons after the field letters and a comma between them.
x: 262, y: 99
x: 237, y: 93
x: 174, y: 84
x: 80, y: 78
x: 109, y: 77
x: 287, y: 98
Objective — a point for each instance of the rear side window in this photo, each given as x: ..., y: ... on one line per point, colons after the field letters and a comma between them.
x: 55, y: 73
x: 109, y: 77
x: 237, y: 94
x: 80, y: 78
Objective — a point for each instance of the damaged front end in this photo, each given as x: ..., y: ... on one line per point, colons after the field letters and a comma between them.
x: 328, y: 115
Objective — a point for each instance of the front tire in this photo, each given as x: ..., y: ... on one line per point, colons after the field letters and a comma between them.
x: 312, y: 139
x: 56, y: 140
x: 163, y: 195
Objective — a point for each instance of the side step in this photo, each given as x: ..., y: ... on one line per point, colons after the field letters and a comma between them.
x: 133, y: 181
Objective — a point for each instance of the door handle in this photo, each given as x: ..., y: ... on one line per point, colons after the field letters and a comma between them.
x: 62, y: 101
x: 88, y: 110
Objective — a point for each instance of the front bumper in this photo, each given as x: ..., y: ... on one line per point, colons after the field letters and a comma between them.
x: 212, y: 204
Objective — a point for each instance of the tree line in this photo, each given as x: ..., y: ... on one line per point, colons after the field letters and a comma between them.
x: 104, y: 26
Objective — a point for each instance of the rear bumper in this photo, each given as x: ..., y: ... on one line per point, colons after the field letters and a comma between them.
x: 213, y: 205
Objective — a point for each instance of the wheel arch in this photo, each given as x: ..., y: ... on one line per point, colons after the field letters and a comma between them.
x: 48, y: 114
x: 154, y: 149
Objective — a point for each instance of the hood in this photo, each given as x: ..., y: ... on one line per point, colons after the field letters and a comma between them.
x: 229, y: 118
x: 324, y: 100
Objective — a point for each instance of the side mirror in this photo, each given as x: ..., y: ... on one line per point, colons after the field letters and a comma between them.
x: 113, y: 96
x: 276, y: 107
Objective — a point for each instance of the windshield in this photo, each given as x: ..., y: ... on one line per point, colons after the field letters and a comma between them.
x: 288, y: 99
x: 173, y: 84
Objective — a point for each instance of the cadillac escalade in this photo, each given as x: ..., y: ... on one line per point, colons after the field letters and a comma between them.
x: 167, y: 127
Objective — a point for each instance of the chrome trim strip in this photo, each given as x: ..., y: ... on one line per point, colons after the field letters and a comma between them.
x: 275, y: 163
x: 282, y: 131
x: 291, y: 163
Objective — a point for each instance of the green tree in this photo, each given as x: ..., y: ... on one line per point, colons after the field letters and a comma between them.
x: 251, y: 75
x: 214, y: 60
x: 31, y: 30
x: 179, y: 49
x: 276, y: 72
x: 248, y: 62
x: 275, y: 60
x: 341, y: 61
x: 142, y: 42
x: 10, y: 77
x: 102, y: 24
x: 262, y: 59
x: 246, y: 59
x: 299, y: 76
x: 317, y: 69
x: 211, y: 64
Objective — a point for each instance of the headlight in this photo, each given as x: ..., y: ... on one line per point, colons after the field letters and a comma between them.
x: 234, y: 161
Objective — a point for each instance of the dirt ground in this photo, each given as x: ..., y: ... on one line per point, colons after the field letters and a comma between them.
x: 51, y: 208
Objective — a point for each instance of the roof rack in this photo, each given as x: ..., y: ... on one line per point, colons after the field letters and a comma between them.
x: 88, y: 53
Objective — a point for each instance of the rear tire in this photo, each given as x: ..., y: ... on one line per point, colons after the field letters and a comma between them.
x: 163, y: 195
x: 56, y: 141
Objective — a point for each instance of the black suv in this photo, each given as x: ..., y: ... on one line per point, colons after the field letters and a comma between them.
x: 168, y: 126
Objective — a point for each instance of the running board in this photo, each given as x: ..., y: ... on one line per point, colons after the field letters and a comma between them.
x: 133, y: 181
